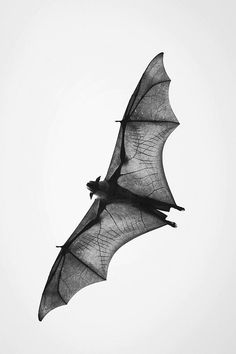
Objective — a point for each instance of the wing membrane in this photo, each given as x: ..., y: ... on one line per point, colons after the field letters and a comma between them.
x: 143, y: 172
x: 147, y: 123
x: 85, y: 259
x: 154, y: 75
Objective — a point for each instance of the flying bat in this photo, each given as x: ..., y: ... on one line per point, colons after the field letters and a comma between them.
x: 130, y: 200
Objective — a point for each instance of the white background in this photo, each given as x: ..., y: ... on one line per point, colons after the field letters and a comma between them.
x: 67, y: 71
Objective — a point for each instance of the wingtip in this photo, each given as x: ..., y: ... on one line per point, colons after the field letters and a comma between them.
x: 159, y: 55
x: 40, y: 318
x: 43, y: 312
x: 47, y: 305
x: 41, y: 315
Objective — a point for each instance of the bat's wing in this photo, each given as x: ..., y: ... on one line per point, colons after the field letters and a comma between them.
x: 85, y: 257
x: 136, y: 163
x: 136, y: 166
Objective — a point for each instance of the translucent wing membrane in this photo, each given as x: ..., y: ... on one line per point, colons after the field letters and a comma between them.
x: 155, y: 105
x: 136, y: 166
x: 154, y: 75
x: 147, y: 123
x: 143, y: 172
x: 85, y: 258
x: 52, y: 294
x: 118, y: 223
x: 67, y: 276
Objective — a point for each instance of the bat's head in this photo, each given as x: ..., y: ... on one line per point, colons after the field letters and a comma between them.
x: 93, y: 186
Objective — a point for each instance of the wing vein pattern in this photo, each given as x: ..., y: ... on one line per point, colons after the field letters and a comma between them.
x: 136, y: 167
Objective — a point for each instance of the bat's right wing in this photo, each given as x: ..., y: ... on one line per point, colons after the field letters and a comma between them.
x: 85, y: 257
x: 136, y: 163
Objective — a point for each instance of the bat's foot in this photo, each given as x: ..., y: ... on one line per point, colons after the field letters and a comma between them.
x: 179, y: 208
x: 171, y: 223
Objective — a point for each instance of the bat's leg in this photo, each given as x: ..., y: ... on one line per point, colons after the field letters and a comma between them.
x: 163, y: 216
x: 165, y: 206
x: 171, y: 223
x: 178, y: 207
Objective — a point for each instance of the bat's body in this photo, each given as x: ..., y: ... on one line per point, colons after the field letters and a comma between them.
x: 112, y: 192
x: 130, y: 200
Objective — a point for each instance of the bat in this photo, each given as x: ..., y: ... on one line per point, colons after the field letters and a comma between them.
x: 130, y: 200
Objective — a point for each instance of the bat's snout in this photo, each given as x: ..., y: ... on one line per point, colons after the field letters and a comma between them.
x: 89, y: 186
x: 92, y: 186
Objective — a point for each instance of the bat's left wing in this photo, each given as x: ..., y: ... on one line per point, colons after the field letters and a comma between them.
x: 85, y: 257
x: 136, y: 163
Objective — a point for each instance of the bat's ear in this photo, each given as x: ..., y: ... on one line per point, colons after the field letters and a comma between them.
x: 91, y: 195
x: 98, y: 179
